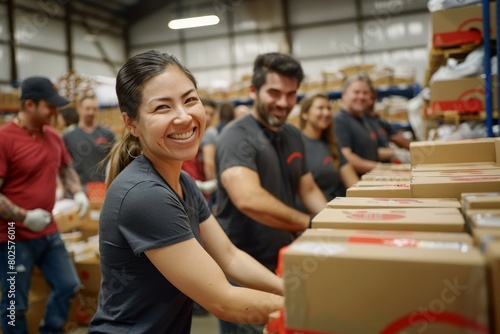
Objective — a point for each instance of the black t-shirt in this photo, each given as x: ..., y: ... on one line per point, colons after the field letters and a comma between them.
x: 320, y: 163
x: 141, y: 212
x: 356, y: 134
x: 245, y: 143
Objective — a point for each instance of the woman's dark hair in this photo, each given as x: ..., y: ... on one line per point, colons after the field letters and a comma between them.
x: 275, y: 62
x: 328, y: 134
x: 70, y: 116
x: 226, y: 114
x: 130, y: 82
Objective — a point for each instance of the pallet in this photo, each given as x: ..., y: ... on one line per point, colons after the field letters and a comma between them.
x: 439, y: 56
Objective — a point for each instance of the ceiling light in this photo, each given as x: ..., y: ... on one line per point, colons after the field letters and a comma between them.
x: 193, y: 22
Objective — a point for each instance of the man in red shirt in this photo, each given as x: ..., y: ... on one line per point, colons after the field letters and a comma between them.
x: 32, y: 155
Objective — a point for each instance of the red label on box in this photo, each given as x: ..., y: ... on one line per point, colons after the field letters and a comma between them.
x: 375, y: 215
x: 457, y: 38
x: 397, y: 242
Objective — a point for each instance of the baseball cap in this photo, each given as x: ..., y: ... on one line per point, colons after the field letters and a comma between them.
x: 40, y: 88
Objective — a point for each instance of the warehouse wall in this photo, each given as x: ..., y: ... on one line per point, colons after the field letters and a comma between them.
x: 42, y: 49
x: 323, y: 34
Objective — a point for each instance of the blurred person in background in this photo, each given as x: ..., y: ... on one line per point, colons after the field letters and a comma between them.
x: 240, y: 111
x: 89, y: 143
x: 261, y: 167
x: 352, y: 128
x: 386, y: 134
x: 67, y: 119
x: 330, y: 169
x: 202, y: 166
x: 32, y: 156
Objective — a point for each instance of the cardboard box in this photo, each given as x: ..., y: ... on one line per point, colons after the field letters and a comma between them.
x: 402, y: 191
x: 382, y: 237
x: 484, y: 219
x: 89, y: 271
x: 497, y: 150
x: 357, y: 288
x: 83, y: 309
x: 482, y: 236
x: 460, y: 172
x: 364, y: 183
x: 493, y: 261
x: 457, y: 151
x: 461, y: 25
x: 482, y: 202
x: 65, y: 214
x: 403, y: 219
x: 453, y: 166
x: 384, y: 203
x: 475, y: 197
x: 392, y: 167
x: 464, y: 95
x: 388, y: 176
x: 452, y: 187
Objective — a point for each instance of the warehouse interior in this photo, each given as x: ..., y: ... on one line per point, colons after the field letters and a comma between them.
x: 434, y: 72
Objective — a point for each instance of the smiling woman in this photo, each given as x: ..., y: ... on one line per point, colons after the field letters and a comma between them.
x: 156, y: 231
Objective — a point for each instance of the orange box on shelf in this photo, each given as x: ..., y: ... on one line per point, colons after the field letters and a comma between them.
x: 464, y: 95
x: 461, y: 25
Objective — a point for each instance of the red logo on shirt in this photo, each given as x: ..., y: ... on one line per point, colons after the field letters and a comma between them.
x: 292, y: 156
x: 101, y: 140
x: 327, y: 160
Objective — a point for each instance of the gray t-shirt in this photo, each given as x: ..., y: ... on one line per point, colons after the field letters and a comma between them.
x: 357, y: 134
x: 87, y: 150
x: 246, y: 143
x: 141, y: 212
x: 210, y: 136
x: 320, y: 163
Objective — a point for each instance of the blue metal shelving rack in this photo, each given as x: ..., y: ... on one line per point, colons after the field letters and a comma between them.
x: 487, y: 63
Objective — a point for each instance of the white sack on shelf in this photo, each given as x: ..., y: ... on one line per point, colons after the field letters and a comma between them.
x: 473, y: 65
x: 435, y: 5
x: 416, y: 107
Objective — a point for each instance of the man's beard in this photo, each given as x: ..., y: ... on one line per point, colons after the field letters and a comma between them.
x: 266, y: 117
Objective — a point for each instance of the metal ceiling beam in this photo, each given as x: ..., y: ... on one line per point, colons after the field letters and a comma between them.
x: 143, y: 9
x: 12, y: 41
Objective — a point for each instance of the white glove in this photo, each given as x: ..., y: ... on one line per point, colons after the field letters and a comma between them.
x: 37, y: 219
x: 207, y: 187
x: 82, y: 201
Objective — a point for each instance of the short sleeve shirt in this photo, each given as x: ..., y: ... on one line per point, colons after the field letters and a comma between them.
x: 278, y: 159
x: 320, y: 162
x: 88, y: 150
x: 141, y: 212
x: 356, y: 134
x: 30, y: 168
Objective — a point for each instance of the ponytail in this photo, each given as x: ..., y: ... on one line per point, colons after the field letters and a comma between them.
x: 122, y: 154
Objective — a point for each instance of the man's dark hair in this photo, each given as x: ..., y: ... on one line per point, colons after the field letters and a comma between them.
x: 275, y: 62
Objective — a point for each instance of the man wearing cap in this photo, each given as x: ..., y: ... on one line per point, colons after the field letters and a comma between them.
x: 32, y: 155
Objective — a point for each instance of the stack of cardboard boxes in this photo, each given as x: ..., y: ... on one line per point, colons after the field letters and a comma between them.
x: 428, y: 262
x: 458, y: 29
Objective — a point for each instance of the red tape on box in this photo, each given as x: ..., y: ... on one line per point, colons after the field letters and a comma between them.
x: 444, y: 317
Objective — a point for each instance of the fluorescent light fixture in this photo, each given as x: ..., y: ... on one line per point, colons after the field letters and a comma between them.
x: 193, y: 22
